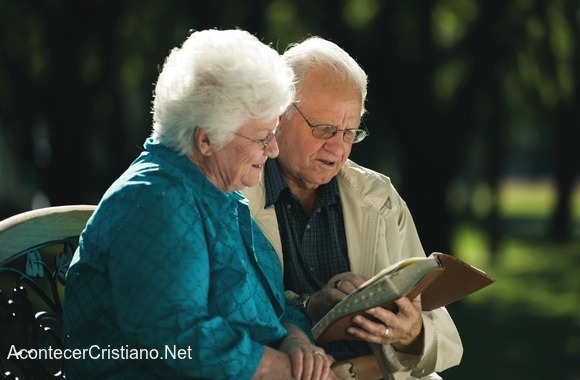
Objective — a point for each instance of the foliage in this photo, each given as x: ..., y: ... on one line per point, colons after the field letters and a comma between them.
x: 530, y: 315
x: 463, y: 94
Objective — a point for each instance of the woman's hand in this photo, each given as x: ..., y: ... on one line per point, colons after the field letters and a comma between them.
x: 308, y: 361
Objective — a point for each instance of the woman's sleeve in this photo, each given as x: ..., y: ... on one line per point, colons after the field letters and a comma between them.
x: 160, y: 275
x: 294, y: 315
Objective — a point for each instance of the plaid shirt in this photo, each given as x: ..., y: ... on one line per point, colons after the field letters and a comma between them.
x: 314, y: 245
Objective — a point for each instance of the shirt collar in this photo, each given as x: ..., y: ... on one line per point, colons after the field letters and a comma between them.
x: 273, y: 182
x: 275, y: 185
x: 193, y: 173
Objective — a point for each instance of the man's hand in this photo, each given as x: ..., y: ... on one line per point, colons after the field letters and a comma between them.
x: 402, y: 329
x: 333, y: 292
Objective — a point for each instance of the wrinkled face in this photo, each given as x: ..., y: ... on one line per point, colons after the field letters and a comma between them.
x: 239, y: 163
x: 306, y: 161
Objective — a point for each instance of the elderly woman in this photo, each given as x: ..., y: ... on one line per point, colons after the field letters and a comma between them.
x: 172, y: 277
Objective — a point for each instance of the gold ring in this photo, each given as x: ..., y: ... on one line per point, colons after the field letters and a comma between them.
x: 317, y: 353
x: 386, y: 333
x: 337, y: 284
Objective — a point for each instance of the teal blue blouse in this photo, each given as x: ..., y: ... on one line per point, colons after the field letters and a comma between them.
x: 172, y: 279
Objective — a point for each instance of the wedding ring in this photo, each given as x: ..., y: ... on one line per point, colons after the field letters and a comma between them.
x: 317, y: 353
x: 386, y: 333
x: 337, y: 284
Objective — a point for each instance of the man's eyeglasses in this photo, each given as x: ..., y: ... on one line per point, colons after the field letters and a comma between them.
x: 326, y: 131
x: 263, y: 142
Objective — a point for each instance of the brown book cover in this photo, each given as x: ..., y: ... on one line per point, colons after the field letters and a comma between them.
x: 440, y: 279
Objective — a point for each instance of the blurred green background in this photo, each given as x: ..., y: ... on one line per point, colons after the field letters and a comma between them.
x: 474, y: 112
x: 527, y: 324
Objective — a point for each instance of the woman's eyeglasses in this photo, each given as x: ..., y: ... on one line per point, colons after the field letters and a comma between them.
x: 263, y: 142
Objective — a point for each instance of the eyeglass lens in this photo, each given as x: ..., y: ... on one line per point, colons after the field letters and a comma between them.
x: 326, y: 131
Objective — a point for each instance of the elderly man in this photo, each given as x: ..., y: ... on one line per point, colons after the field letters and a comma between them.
x: 334, y: 223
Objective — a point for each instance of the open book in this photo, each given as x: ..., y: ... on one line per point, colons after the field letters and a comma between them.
x: 440, y: 279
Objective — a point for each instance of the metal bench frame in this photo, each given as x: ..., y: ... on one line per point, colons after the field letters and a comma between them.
x: 36, y: 248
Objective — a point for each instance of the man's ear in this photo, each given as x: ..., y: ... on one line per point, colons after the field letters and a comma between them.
x: 202, y: 143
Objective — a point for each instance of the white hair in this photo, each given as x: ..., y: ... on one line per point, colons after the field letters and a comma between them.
x: 315, y: 52
x: 217, y: 81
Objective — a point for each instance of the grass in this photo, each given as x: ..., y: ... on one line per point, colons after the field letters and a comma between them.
x: 527, y: 324
x: 539, y: 275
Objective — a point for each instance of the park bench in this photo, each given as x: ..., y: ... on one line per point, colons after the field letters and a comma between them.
x: 36, y: 248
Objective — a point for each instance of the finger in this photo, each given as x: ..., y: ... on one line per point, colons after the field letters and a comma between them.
x: 380, y: 315
x: 318, y: 365
x: 297, y: 360
x: 322, y: 369
x: 344, y: 286
x: 408, y: 308
x: 371, y: 322
x: 325, y: 369
x: 385, y: 333
x: 313, y: 368
x: 357, y: 280
x: 372, y: 337
x: 376, y: 327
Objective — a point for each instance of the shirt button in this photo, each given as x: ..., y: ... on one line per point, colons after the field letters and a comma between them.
x: 319, y: 210
x: 308, y: 226
x: 289, y: 206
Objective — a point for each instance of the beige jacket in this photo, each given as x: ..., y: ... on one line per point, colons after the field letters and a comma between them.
x: 379, y: 231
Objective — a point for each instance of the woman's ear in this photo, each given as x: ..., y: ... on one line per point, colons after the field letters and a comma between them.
x: 202, y: 143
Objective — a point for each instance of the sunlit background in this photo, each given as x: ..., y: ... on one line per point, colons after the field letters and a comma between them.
x: 474, y: 112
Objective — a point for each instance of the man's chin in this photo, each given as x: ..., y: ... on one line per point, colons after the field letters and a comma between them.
x: 321, y: 180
